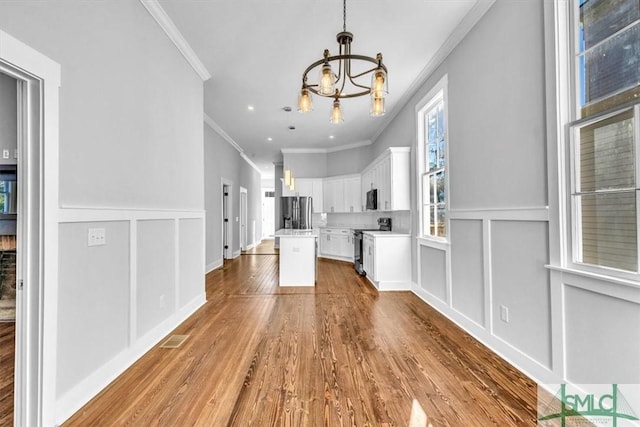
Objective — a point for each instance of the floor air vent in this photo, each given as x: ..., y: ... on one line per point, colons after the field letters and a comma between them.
x: 174, y: 341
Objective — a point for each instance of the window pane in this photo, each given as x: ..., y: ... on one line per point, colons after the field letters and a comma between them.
x: 439, y: 178
x: 441, y: 151
x: 612, y: 66
x: 432, y: 150
x: 442, y: 229
x: 609, y: 234
x: 432, y: 189
x: 601, y: 18
x: 433, y: 126
x: 432, y: 221
x: 607, y: 155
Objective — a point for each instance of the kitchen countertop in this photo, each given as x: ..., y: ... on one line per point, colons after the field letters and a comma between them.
x: 287, y: 232
x: 350, y: 227
x: 378, y: 233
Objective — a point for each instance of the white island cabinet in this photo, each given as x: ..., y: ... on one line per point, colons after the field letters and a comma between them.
x: 297, y: 257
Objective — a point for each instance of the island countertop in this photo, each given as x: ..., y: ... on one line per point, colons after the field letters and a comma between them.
x: 287, y: 232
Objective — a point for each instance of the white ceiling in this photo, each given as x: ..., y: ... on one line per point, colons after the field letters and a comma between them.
x: 256, y: 51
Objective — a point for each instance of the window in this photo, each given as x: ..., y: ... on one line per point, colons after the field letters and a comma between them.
x: 432, y: 152
x: 604, y: 134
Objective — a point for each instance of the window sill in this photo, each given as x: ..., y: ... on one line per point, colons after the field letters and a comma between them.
x: 433, y: 242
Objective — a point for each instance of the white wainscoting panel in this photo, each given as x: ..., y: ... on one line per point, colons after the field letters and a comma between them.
x: 146, y: 280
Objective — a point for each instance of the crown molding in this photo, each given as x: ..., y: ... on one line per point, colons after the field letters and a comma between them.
x: 170, y: 29
x: 217, y: 129
x: 325, y: 150
x: 459, y: 33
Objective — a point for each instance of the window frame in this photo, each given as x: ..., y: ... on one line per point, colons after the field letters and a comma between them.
x: 573, y: 123
x: 437, y: 94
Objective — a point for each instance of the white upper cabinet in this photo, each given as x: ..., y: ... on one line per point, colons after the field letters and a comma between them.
x: 352, y: 199
x: 389, y: 174
x: 342, y: 194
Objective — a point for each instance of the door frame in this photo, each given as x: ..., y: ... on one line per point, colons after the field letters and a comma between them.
x: 37, y: 230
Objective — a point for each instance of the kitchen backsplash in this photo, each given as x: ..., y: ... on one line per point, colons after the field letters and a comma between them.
x: 400, y: 220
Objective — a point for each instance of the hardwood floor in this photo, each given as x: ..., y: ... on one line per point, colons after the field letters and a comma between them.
x: 337, y: 354
x: 7, y: 353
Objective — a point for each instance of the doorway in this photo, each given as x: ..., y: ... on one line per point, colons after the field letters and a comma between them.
x: 9, y: 91
x: 227, y: 224
x: 244, y: 244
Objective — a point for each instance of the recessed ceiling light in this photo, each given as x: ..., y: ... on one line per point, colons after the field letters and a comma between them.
x: 331, y: 136
x: 250, y: 107
x: 269, y: 139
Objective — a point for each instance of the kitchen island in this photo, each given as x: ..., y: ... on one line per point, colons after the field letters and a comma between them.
x: 297, y: 257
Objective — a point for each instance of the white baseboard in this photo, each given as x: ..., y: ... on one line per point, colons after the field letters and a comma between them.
x: 71, y: 401
x: 214, y: 265
x: 236, y: 254
x: 393, y: 286
x: 530, y: 367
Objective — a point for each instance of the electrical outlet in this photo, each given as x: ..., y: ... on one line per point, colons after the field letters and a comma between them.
x: 5, y: 154
x: 504, y: 314
x: 96, y: 237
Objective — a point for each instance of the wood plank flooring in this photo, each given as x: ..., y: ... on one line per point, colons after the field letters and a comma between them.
x: 7, y: 353
x: 339, y: 354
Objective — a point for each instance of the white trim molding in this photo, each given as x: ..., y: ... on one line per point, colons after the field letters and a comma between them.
x: 170, y: 29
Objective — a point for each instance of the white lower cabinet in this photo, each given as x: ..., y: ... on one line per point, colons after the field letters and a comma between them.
x: 336, y: 243
x: 386, y: 259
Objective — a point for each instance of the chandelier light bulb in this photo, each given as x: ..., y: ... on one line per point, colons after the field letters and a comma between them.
x: 377, y: 106
x: 336, y: 113
x: 305, y: 103
x: 379, y: 83
x: 327, y: 81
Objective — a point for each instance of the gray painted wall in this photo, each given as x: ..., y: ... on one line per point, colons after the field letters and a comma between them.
x: 223, y: 161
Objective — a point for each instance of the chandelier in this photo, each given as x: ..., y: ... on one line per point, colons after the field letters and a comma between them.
x: 344, y: 84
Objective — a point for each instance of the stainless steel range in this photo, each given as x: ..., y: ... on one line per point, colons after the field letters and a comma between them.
x: 384, y: 224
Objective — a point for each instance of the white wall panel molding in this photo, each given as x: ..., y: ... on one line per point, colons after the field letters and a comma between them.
x: 502, y: 214
x: 87, y: 214
x: 185, y: 282
x: 170, y: 29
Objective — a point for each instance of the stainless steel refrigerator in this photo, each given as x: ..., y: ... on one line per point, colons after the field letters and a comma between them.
x: 295, y: 212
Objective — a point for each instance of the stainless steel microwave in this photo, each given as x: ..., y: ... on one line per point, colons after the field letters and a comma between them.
x: 372, y: 200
